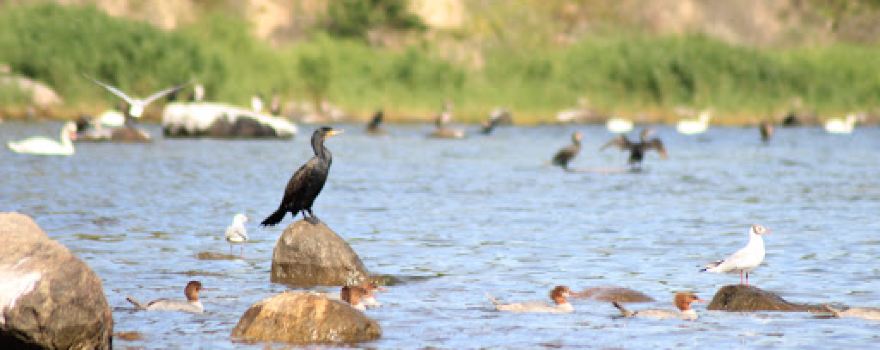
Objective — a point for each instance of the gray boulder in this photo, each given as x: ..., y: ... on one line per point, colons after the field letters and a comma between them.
x: 750, y: 298
x: 308, y: 255
x: 49, y: 299
x: 305, y: 318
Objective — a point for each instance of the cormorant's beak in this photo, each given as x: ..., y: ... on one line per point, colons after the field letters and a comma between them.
x: 335, y: 132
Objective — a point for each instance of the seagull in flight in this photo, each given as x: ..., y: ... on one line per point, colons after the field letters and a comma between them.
x: 137, y: 105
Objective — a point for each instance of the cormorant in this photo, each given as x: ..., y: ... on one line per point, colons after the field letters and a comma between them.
x: 305, y: 185
x: 766, y: 131
x: 375, y: 125
x: 637, y: 149
x: 568, y: 153
x: 497, y: 117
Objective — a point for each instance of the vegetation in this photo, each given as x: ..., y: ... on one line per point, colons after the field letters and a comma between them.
x: 620, y: 73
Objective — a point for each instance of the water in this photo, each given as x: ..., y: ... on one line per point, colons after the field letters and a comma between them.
x: 485, y: 214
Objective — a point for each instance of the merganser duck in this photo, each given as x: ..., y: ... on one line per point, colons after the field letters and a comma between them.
x: 355, y: 295
x: 682, y: 301
x: 619, y: 125
x: 744, y: 260
x: 559, y: 295
x: 566, y: 154
x: 841, y: 126
x: 695, y: 126
x: 637, y: 149
x: 192, y: 303
x: 137, y: 105
x: 442, y: 131
x: 47, y: 147
x: 867, y: 313
x: 237, y: 232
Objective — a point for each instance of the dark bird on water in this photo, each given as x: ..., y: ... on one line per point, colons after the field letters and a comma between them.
x: 375, y: 125
x: 307, y: 182
x: 498, y: 117
x: 637, y: 149
x: 566, y: 154
x: 766, y: 131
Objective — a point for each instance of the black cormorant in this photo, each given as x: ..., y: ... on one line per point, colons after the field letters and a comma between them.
x: 307, y: 182
x: 766, y: 131
x: 375, y: 125
x: 568, y: 153
x: 499, y: 116
x: 637, y: 149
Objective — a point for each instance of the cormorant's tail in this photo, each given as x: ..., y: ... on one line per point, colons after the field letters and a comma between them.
x: 275, y: 218
x: 136, y: 303
x: 623, y: 310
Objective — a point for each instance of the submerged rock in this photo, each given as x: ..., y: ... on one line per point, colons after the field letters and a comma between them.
x: 305, y: 318
x: 49, y: 299
x: 308, y: 255
x: 609, y: 294
x: 751, y: 298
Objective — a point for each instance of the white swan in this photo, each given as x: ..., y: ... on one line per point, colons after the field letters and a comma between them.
x: 619, y: 125
x: 137, y: 105
x: 695, y: 126
x: 841, y: 126
x: 45, y: 146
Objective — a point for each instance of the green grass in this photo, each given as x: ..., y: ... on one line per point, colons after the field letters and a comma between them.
x: 619, y: 73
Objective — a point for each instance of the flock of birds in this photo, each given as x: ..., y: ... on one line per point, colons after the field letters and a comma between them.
x: 307, y: 181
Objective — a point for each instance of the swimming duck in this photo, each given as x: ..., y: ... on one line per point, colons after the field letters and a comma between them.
x: 682, y: 301
x: 559, y: 295
x: 866, y: 313
x: 192, y: 303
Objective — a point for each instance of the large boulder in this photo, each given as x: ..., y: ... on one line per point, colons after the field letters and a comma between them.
x: 308, y: 255
x: 305, y: 318
x: 49, y: 299
x: 751, y: 298
x: 611, y: 293
x: 217, y: 120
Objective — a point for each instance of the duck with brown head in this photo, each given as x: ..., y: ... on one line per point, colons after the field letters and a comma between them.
x: 681, y: 300
x: 192, y: 303
x: 559, y: 295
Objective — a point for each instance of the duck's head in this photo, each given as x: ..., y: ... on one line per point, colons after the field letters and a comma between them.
x: 560, y: 294
x: 192, y: 290
x: 683, y: 300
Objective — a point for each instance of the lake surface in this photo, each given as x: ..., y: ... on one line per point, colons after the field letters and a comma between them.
x: 460, y: 218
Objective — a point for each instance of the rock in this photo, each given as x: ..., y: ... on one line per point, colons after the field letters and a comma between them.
x: 609, y: 294
x: 49, y: 299
x: 305, y: 318
x: 751, y: 298
x: 308, y: 255
x: 203, y: 119
x: 41, y: 95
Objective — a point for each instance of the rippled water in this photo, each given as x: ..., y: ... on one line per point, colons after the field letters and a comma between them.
x: 485, y: 214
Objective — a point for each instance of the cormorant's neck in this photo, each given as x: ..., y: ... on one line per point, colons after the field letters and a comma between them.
x: 319, y: 149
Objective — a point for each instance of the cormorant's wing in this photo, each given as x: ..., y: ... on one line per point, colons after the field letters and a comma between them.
x: 657, y: 145
x: 620, y: 142
x: 298, y: 181
x: 162, y: 93
x: 112, y: 89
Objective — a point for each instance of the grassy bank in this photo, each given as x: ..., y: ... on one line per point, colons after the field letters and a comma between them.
x: 627, y: 74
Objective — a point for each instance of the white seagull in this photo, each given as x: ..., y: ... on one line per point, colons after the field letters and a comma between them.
x: 137, y: 105
x: 237, y: 233
x: 45, y: 146
x: 744, y: 260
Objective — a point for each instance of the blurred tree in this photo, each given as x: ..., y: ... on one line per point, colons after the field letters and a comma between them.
x: 315, y: 70
x: 355, y: 18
